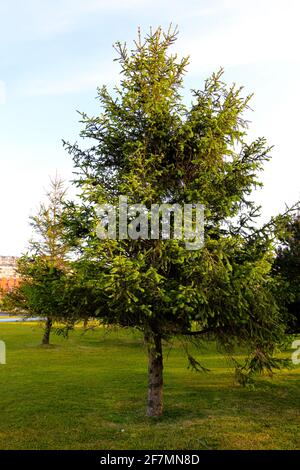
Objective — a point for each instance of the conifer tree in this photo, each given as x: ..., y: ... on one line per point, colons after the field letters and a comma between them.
x: 147, y: 144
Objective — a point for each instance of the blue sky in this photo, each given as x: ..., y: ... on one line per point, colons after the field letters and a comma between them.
x: 54, y: 53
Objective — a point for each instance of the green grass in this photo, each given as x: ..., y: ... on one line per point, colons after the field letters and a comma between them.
x: 89, y: 392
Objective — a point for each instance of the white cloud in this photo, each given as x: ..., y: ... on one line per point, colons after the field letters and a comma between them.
x: 63, y: 15
x: 251, y: 32
x: 36, y: 19
x: 3, y: 95
x: 74, y: 83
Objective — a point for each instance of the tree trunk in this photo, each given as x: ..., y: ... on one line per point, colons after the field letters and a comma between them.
x: 155, y: 376
x: 47, y: 331
x: 85, y: 323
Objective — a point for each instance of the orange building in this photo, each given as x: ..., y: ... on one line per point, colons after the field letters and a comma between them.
x: 8, y: 283
x: 8, y: 275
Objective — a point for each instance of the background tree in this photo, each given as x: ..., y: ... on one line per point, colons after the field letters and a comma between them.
x: 44, y: 268
x: 149, y: 145
x: 287, y: 271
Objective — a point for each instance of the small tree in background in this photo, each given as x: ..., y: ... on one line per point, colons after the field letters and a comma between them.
x: 151, y: 147
x: 43, y: 270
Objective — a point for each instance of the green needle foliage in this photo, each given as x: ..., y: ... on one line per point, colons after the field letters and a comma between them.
x: 287, y: 271
x: 147, y: 144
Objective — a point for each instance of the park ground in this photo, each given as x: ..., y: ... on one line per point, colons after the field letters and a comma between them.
x: 89, y: 392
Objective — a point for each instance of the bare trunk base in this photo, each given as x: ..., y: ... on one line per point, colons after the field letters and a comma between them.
x: 47, y: 331
x: 155, y: 376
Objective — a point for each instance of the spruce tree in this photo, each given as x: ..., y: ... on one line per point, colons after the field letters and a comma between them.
x: 147, y: 144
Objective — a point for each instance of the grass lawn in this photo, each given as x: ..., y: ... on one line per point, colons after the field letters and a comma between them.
x: 89, y: 392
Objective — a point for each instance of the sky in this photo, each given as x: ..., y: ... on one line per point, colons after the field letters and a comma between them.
x: 54, y: 54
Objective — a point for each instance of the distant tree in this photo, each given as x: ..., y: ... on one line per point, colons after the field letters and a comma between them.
x: 287, y: 271
x: 151, y: 147
x: 42, y: 271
